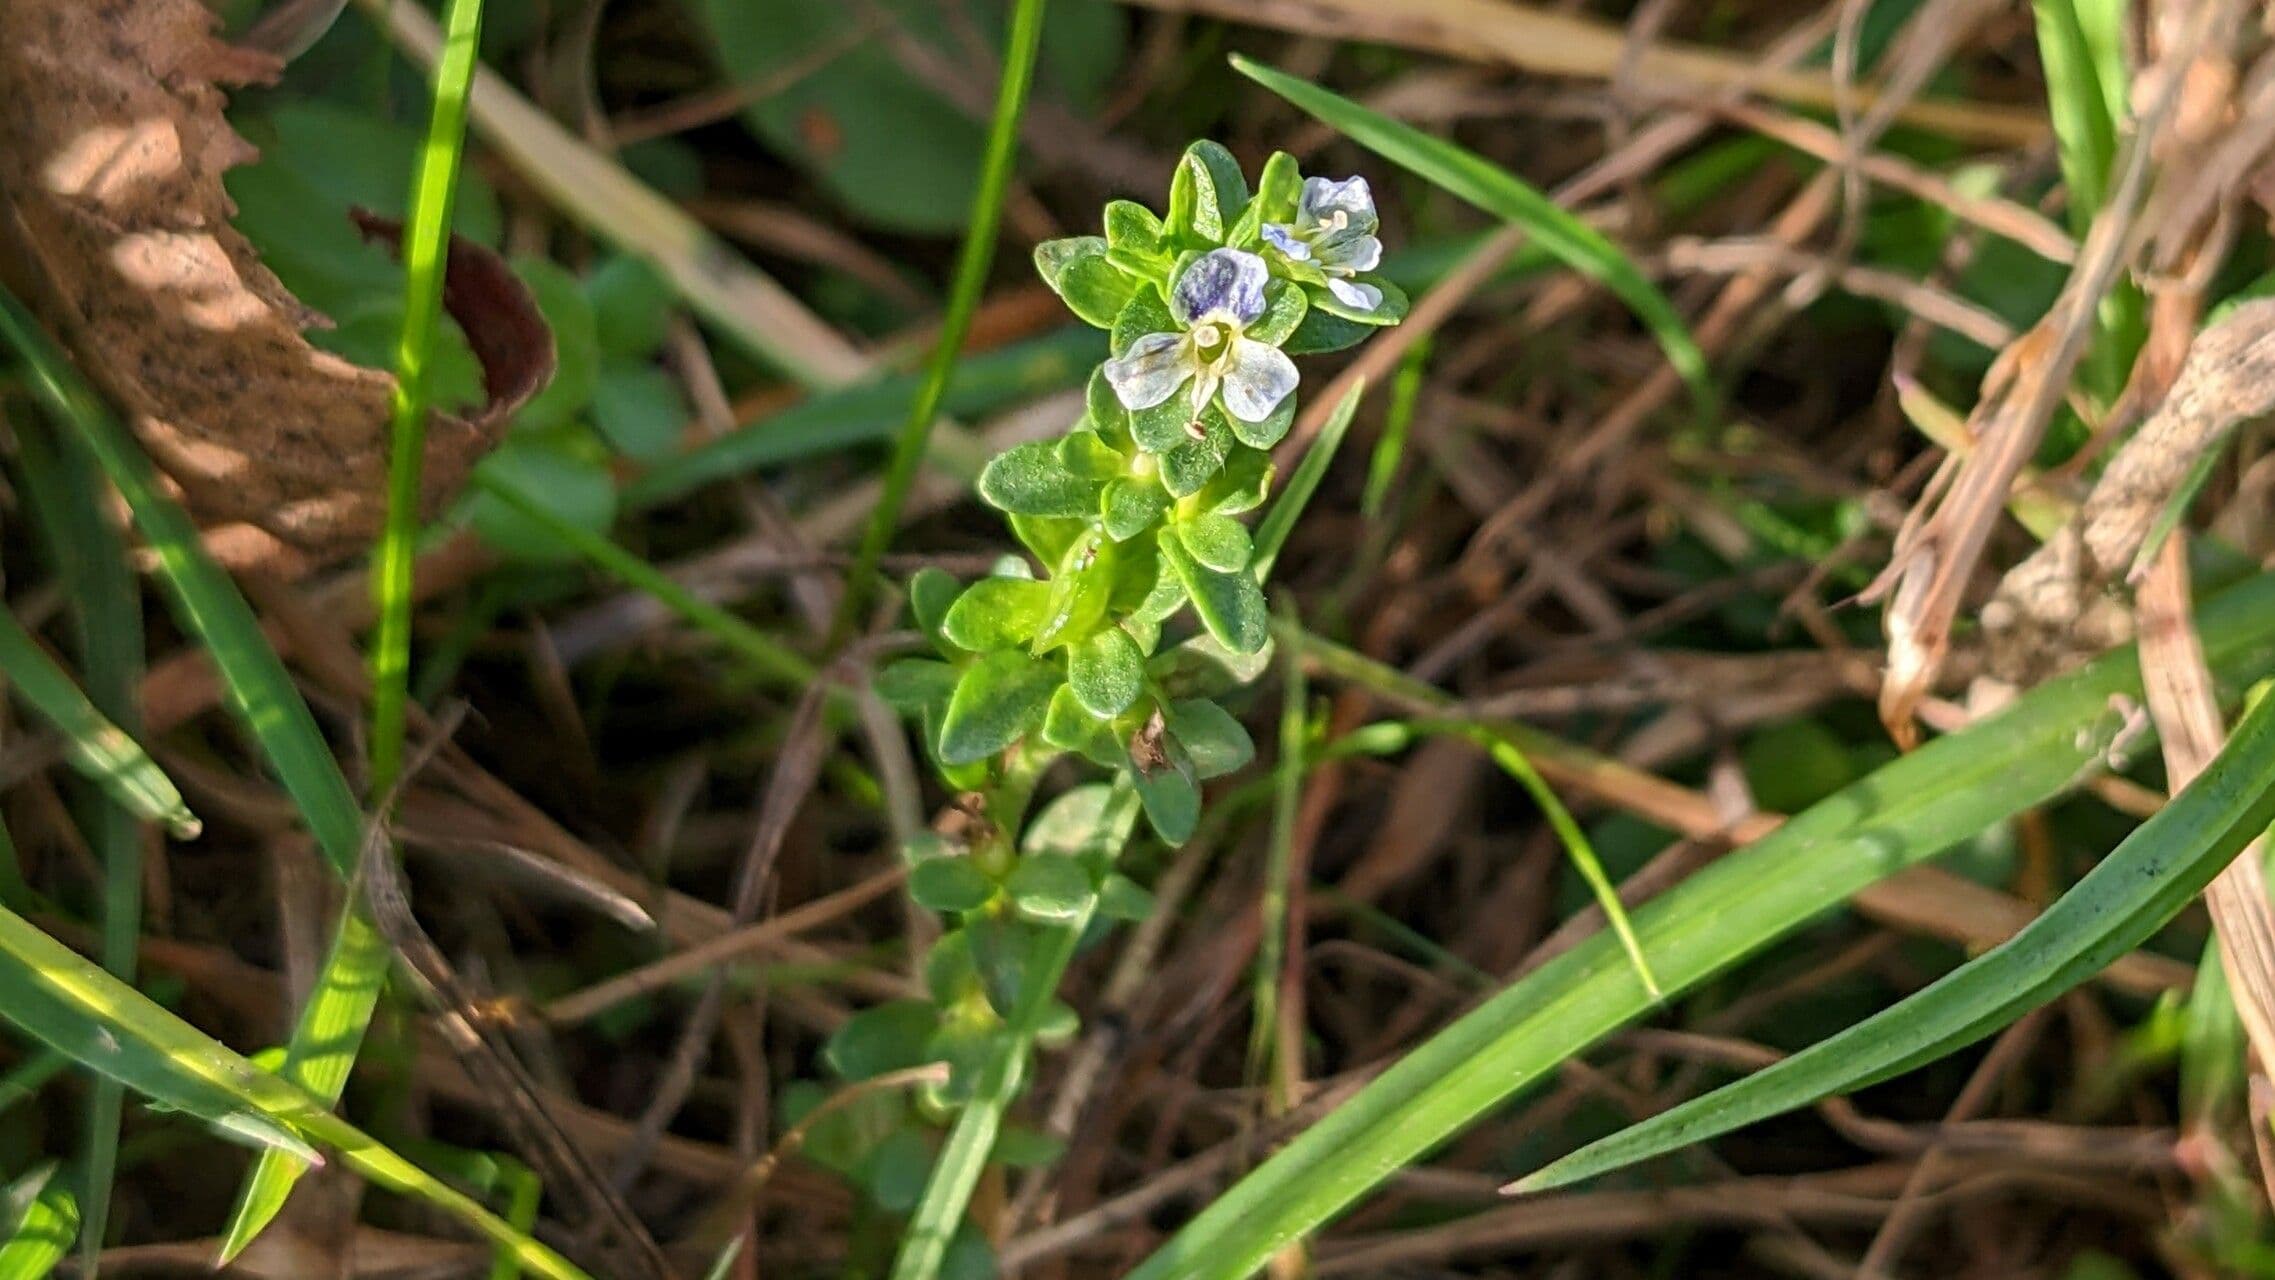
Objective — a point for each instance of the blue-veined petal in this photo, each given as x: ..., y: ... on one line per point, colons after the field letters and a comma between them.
x: 1256, y: 378
x: 1151, y: 371
x: 1323, y: 199
x: 1223, y: 284
x: 1354, y: 294
x: 1356, y: 253
x: 1284, y: 239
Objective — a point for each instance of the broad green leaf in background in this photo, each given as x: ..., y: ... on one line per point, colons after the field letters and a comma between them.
x: 2126, y: 898
x: 1898, y: 816
x: 1504, y: 195
x: 876, y: 131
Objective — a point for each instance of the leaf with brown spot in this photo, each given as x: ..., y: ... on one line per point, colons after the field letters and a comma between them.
x: 112, y: 152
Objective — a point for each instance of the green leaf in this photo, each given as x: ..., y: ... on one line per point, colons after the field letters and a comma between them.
x: 42, y: 1220
x: 638, y: 407
x: 1106, y: 672
x: 1000, y: 699
x: 575, y: 486
x: 1502, y: 194
x: 1188, y: 468
x: 1077, y: 823
x: 883, y: 1038
x: 841, y: 104
x: 912, y: 685
x: 1207, y: 195
x: 1031, y: 480
x: 949, y: 884
x: 1210, y: 735
x: 1096, y: 289
x: 1323, y: 332
x: 997, y: 613
x: 1131, y: 508
x: 1049, y: 889
x: 1279, y: 188
x: 91, y: 743
x: 1053, y: 257
x: 2127, y: 896
x: 1070, y: 726
x: 1284, y: 308
x: 1202, y: 667
x: 1122, y: 898
x: 1231, y: 605
x: 1273, y: 429
x: 1219, y: 542
x: 1086, y: 455
x: 1145, y: 313
x: 1169, y: 789
x: 1242, y: 486
x: 632, y: 307
x: 1899, y: 816
x: 931, y: 593
x: 1080, y: 593
x: 576, y: 343
x: 1133, y: 229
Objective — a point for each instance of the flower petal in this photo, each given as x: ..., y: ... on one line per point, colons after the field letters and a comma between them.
x: 1354, y: 294
x: 1151, y: 371
x: 1283, y: 238
x: 1223, y: 284
x: 1353, y: 253
x: 1259, y: 378
x: 1322, y: 199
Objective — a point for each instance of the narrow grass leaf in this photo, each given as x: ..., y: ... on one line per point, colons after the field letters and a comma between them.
x: 43, y: 1220
x: 52, y: 994
x: 1021, y: 44
x: 330, y: 1032
x: 1504, y: 195
x: 1273, y: 530
x: 91, y: 743
x: 2126, y: 898
x: 1898, y: 816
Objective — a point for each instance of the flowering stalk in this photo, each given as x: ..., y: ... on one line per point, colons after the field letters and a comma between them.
x: 1081, y: 649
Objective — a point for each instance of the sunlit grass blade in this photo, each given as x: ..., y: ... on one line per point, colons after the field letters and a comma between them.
x: 92, y: 565
x: 2126, y: 898
x: 1901, y: 814
x: 1504, y: 195
x: 1021, y: 44
x: 948, y: 1191
x: 42, y: 1220
x: 51, y: 993
x: 330, y: 1032
x: 1273, y: 530
x: 91, y: 743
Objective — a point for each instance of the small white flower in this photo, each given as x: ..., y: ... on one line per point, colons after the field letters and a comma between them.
x: 1216, y: 300
x: 1334, y: 231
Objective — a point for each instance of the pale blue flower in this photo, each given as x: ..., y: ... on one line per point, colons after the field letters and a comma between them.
x: 1216, y: 300
x: 1334, y: 232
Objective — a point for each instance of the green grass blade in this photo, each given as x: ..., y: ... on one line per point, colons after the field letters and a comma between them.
x: 92, y: 744
x: 2081, y: 45
x: 1020, y: 46
x: 948, y: 1191
x: 52, y: 994
x: 1900, y: 815
x: 1273, y: 530
x: 92, y: 565
x: 1504, y: 195
x: 1390, y: 450
x: 2126, y: 898
x: 768, y: 656
x: 1288, y: 773
x: 330, y: 1031
x: 43, y: 1221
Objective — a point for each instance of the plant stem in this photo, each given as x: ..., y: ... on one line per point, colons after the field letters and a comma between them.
x: 965, y: 1154
x: 1020, y: 47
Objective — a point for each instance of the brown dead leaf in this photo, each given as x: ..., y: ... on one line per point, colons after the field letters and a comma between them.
x: 112, y: 151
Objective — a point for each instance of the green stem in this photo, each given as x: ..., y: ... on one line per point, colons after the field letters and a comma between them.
x: 969, y: 1144
x: 1025, y: 39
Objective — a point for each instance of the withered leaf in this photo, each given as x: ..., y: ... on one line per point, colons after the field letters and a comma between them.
x: 112, y: 151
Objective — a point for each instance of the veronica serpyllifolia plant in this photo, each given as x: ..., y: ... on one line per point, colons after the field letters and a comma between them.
x: 1079, y: 648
